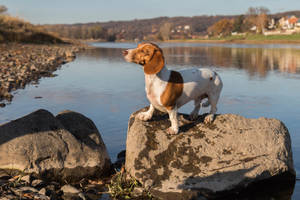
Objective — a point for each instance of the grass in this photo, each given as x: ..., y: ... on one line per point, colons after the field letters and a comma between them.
x: 122, y: 187
x: 13, y: 29
x: 256, y: 37
x: 248, y: 38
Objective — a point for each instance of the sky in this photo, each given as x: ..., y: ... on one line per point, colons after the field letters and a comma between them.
x: 82, y: 11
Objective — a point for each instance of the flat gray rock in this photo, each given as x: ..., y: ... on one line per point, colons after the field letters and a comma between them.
x: 207, y: 160
x: 67, y: 147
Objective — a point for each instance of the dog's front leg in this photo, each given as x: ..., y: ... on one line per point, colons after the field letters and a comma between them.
x: 145, y: 116
x: 173, y: 130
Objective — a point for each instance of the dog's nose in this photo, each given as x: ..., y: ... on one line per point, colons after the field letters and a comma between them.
x: 125, y: 52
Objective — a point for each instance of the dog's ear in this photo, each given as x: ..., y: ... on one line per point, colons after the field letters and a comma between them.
x: 156, y: 63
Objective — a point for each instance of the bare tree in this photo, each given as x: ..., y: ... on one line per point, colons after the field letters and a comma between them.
x: 254, y: 11
x: 258, y: 17
x: 165, y: 31
x: 2, y: 9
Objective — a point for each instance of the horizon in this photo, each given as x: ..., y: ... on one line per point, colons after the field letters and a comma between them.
x: 91, y: 11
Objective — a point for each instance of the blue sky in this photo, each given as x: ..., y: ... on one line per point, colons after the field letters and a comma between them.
x: 72, y: 11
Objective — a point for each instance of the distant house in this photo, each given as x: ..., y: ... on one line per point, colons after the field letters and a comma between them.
x: 272, y: 24
x: 293, y: 21
x: 288, y: 22
x: 253, y: 28
x: 187, y: 27
x: 298, y: 23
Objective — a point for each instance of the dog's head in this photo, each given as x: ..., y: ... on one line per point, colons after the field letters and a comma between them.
x: 149, y: 55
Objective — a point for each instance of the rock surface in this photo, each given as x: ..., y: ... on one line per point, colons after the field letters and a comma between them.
x: 207, y: 160
x: 63, y: 148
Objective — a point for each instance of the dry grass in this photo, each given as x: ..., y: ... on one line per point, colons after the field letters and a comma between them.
x: 13, y: 29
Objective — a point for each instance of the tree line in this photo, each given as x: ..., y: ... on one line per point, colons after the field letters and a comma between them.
x: 256, y: 17
x: 79, y: 31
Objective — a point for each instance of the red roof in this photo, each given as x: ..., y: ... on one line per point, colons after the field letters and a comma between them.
x: 293, y: 20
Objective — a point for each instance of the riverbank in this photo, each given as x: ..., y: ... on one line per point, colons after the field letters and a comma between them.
x: 27, y: 63
x: 248, y: 39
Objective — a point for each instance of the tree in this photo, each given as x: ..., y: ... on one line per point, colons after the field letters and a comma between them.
x: 257, y: 11
x: 165, y: 31
x: 238, y: 24
x: 258, y: 17
x: 261, y: 22
x: 2, y: 9
x: 224, y: 27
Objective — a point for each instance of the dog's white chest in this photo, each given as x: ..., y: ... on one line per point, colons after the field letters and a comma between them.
x: 154, y: 88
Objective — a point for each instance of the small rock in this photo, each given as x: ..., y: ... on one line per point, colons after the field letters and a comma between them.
x: 69, y: 189
x: 26, y: 178
x: 41, y: 197
x: 137, y: 191
x: 8, y: 197
x: 28, y: 189
x: 37, y: 183
x: 120, y: 160
x: 43, y: 191
x: 22, y: 190
x: 81, y: 195
x: 33, y: 68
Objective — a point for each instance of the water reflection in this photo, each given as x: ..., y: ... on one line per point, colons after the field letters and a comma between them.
x: 255, y: 61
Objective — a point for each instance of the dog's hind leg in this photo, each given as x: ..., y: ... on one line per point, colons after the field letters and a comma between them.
x: 145, y: 116
x: 213, y: 100
x: 194, y: 113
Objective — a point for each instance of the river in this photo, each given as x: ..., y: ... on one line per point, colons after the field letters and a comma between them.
x: 259, y: 80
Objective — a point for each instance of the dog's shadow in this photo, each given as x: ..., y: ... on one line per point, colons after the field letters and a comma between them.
x: 185, y: 122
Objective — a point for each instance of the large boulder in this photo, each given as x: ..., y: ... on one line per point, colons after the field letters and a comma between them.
x: 67, y: 147
x: 229, y: 155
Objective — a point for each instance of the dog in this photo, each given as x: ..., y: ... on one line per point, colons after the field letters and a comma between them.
x: 168, y: 90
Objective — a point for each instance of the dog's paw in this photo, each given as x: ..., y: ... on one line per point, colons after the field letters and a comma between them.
x: 172, y: 131
x: 144, y: 116
x: 209, y: 119
x: 193, y: 116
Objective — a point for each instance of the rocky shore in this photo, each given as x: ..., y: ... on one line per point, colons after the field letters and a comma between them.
x: 21, y: 64
x: 43, y: 156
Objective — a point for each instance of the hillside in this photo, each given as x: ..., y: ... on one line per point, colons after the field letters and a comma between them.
x: 145, y: 29
x: 13, y: 29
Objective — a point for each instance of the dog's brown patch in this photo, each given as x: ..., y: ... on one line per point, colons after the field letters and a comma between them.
x: 156, y: 62
x: 173, y: 90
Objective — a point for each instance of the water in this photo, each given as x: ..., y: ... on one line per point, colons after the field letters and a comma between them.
x: 259, y: 80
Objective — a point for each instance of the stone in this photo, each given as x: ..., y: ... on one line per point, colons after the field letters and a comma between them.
x: 37, y: 183
x: 120, y: 160
x: 40, y: 144
x: 26, y: 178
x: 81, y: 195
x: 39, y: 196
x: 208, y: 160
x: 22, y: 190
x: 69, y: 189
x: 42, y: 191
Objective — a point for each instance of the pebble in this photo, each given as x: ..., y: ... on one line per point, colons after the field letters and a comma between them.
x: 26, y: 178
x: 69, y: 189
x: 29, y: 187
x: 21, y: 64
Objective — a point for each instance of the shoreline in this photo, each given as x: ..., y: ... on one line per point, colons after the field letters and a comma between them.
x: 223, y: 41
x: 22, y: 64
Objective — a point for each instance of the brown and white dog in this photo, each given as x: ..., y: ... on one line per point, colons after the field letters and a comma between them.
x: 168, y: 90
